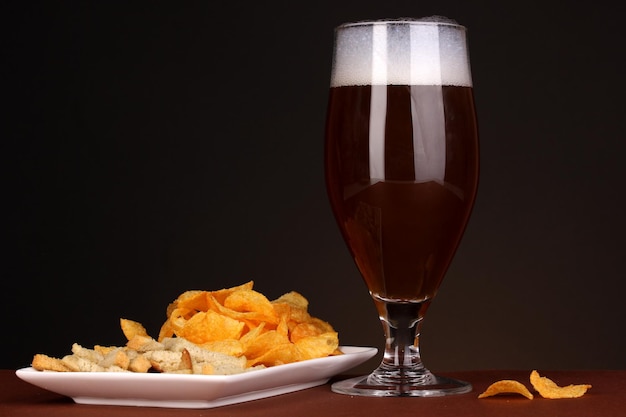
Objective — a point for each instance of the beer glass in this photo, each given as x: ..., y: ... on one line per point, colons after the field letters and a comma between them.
x: 401, y: 166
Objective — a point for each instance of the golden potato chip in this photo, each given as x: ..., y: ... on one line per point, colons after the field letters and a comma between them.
x: 249, y: 300
x: 264, y: 342
x: 549, y: 389
x: 221, y: 295
x: 317, y: 346
x: 277, y: 355
x: 282, y: 310
x: 167, y: 330
x: 283, y: 326
x: 252, y: 318
x: 132, y: 328
x: 337, y: 352
x: 303, y: 330
x: 175, y: 322
x: 324, y: 326
x: 283, y: 314
x: 209, y: 327
x: 193, y: 301
x: 294, y: 299
x: 248, y: 339
x: 293, y: 315
x: 181, y: 314
x: 506, y: 386
x: 184, y: 300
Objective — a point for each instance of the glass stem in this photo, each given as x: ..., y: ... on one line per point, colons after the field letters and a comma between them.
x: 401, y: 364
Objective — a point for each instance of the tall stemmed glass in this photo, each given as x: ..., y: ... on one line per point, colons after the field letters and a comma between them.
x: 401, y: 165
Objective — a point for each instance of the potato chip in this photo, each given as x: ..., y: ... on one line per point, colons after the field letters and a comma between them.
x: 506, y: 386
x: 293, y: 299
x: 175, y: 322
x: 181, y: 298
x: 167, y: 330
x: 549, y: 389
x: 303, y: 330
x: 248, y: 338
x: 324, y: 326
x: 277, y: 355
x: 221, y: 295
x: 283, y: 313
x: 283, y: 327
x: 251, y: 318
x: 180, y: 315
x: 265, y: 342
x: 249, y: 300
x: 209, y: 327
x: 317, y: 346
x: 193, y: 301
x: 292, y: 315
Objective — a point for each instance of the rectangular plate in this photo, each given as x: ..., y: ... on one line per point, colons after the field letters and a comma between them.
x: 194, y: 391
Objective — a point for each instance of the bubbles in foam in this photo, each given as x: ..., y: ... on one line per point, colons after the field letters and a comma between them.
x: 426, y: 51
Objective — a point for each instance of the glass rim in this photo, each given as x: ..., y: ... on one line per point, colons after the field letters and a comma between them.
x: 435, y: 20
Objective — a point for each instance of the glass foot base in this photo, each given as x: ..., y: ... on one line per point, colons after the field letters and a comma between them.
x: 437, y: 386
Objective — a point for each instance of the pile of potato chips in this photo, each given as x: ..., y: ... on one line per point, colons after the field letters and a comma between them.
x: 543, y: 385
x: 211, y: 332
x: 240, y: 321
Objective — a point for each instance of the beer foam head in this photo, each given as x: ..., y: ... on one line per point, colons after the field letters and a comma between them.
x: 428, y: 51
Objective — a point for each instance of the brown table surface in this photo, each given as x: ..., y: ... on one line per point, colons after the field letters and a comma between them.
x: 607, y: 398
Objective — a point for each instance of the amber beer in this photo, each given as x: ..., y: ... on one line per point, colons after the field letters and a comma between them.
x: 402, y: 232
x: 401, y: 171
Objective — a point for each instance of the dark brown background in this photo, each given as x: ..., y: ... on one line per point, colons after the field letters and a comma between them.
x: 149, y: 148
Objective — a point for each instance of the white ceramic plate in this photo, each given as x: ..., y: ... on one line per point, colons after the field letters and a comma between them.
x: 194, y: 391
